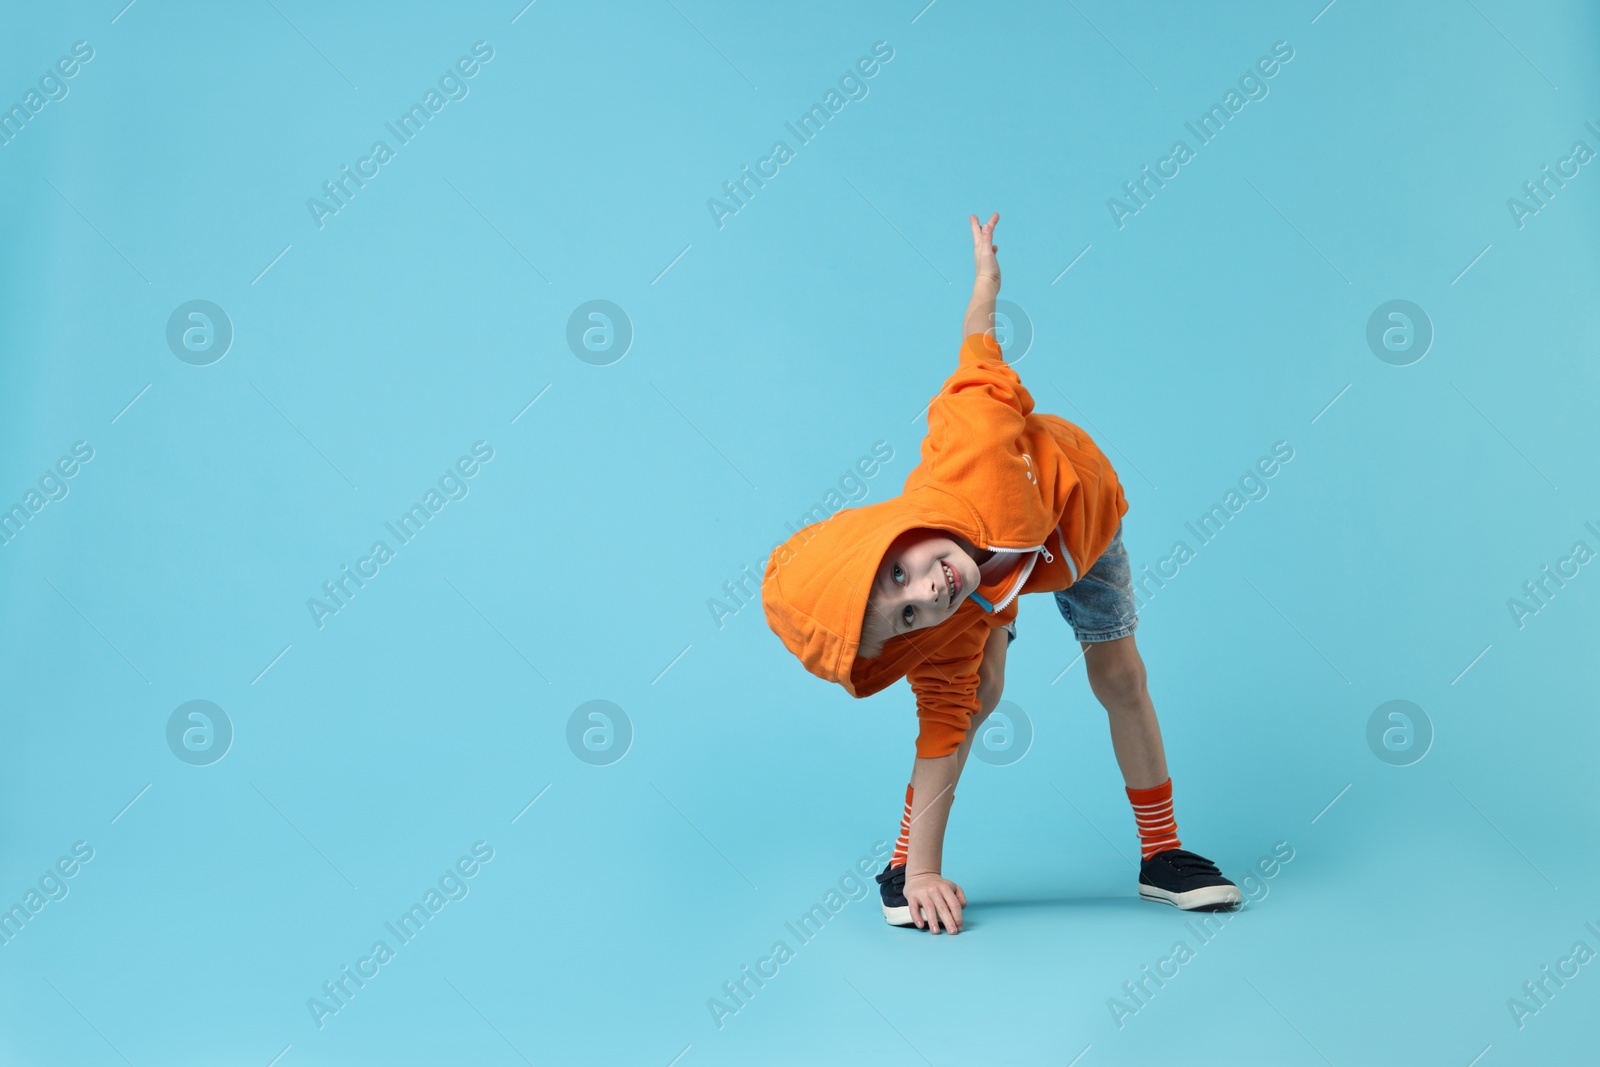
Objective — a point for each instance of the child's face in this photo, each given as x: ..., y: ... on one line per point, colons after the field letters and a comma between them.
x: 923, y: 578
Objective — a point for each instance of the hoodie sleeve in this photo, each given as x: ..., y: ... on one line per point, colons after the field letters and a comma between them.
x: 977, y: 418
x: 946, y: 688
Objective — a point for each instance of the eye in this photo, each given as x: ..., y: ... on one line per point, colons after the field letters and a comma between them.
x: 895, y: 572
x: 906, y: 615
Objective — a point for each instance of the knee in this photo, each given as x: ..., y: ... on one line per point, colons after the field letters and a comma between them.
x: 1119, y: 682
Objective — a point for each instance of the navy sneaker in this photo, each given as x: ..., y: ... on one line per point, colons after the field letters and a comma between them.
x: 1186, y: 881
x: 892, y: 887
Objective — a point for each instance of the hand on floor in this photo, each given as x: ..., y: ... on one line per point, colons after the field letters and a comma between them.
x: 936, y: 901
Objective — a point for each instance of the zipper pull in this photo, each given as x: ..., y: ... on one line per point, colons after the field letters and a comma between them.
x: 1048, y: 558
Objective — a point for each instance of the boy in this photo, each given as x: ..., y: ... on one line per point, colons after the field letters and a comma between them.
x: 924, y: 586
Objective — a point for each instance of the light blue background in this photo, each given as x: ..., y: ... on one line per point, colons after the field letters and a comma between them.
x: 370, y: 753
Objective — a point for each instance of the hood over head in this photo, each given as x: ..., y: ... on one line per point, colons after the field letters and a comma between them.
x: 814, y: 591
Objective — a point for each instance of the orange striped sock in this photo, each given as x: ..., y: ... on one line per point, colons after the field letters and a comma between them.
x: 1152, y: 810
x: 899, y: 856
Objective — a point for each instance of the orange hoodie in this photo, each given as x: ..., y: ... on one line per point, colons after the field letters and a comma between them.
x: 992, y: 471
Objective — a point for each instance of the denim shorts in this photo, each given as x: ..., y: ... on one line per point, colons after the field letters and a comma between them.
x: 1099, y: 605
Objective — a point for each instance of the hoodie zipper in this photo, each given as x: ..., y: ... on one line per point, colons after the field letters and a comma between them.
x: 1071, y: 567
x: 1022, y: 579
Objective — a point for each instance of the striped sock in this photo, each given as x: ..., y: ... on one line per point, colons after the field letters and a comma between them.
x: 1152, y: 810
x: 899, y: 856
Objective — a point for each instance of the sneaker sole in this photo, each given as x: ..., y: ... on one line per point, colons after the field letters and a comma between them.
x: 1212, y: 897
x: 900, y: 916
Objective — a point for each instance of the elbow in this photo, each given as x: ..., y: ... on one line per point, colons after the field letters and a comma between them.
x: 939, y: 738
x: 937, y: 750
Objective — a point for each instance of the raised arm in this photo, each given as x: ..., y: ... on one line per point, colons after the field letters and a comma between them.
x: 982, y: 407
x: 986, y: 286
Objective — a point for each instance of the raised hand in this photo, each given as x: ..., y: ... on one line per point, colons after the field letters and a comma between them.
x: 984, y: 248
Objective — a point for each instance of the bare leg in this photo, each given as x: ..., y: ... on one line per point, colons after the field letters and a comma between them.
x: 1117, y: 676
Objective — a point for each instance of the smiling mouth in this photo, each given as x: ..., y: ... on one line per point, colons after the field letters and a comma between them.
x: 952, y: 581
